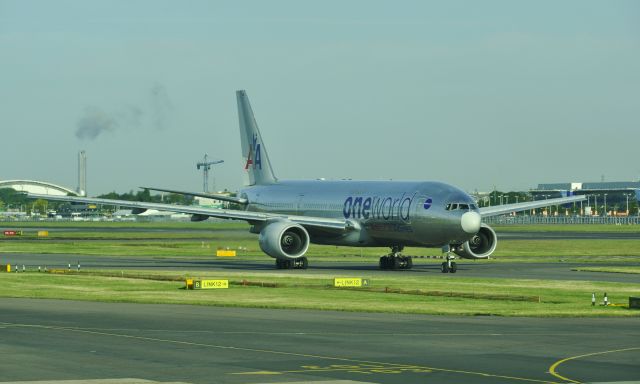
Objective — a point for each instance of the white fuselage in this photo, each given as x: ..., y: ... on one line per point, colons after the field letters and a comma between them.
x: 387, y: 213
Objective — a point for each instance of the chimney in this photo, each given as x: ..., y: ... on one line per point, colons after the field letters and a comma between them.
x: 82, y: 173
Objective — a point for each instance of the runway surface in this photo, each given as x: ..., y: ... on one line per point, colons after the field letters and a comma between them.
x: 369, y: 267
x: 65, y: 340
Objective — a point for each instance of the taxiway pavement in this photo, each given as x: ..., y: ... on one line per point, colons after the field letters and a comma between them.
x: 71, y: 340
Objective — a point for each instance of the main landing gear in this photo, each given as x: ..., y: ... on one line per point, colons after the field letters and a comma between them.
x: 299, y: 263
x: 449, y: 266
x: 395, y: 260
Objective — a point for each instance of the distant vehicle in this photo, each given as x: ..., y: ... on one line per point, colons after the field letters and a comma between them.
x: 288, y: 215
x: 76, y: 216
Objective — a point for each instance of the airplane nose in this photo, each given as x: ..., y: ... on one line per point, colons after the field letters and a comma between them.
x: 470, y: 222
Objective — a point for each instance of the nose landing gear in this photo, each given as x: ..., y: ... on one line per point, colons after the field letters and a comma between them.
x: 395, y: 260
x: 449, y: 266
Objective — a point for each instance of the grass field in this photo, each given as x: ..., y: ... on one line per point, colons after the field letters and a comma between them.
x: 466, y: 296
x: 557, y: 298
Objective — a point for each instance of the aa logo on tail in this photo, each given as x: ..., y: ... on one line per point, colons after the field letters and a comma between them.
x: 253, y: 157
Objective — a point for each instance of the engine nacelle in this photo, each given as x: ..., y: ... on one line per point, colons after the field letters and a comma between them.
x: 197, y: 217
x: 284, y: 240
x: 481, y: 246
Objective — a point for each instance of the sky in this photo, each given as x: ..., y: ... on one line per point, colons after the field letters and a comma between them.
x: 479, y: 94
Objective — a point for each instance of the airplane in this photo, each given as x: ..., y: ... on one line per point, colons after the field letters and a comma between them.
x: 288, y: 215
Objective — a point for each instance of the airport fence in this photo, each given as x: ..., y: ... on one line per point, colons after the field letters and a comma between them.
x: 528, y: 220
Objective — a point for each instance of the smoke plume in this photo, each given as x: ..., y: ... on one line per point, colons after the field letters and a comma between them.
x: 94, y: 121
x: 161, y: 107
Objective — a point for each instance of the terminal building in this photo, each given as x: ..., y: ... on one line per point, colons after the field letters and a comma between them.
x: 41, y: 187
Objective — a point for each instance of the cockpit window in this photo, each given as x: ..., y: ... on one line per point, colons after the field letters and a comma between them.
x: 461, y: 206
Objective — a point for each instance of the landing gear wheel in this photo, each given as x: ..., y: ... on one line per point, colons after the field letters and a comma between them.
x: 302, y: 263
x: 444, y: 267
x: 453, y: 268
x: 284, y: 264
x: 395, y: 260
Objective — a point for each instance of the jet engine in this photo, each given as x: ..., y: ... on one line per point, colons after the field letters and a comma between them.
x: 196, y: 217
x: 284, y: 240
x: 481, y: 245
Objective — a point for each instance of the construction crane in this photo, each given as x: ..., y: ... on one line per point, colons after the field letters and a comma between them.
x: 206, y: 166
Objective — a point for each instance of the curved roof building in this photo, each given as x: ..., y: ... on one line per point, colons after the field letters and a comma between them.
x: 33, y: 186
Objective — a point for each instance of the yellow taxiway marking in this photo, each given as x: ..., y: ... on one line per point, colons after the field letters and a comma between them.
x: 388, y: 366
x: 554, y: 366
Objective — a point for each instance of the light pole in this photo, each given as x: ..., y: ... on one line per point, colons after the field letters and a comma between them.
x: 581, y: 211
x: 605, y: 205
x: 627, y: 196
x: 595, y: 203
x: 546, y: 197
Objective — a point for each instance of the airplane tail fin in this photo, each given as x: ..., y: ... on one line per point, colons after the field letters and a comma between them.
x: 256, y: 161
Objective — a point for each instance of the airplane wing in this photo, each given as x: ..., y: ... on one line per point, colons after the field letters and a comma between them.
x: 231, y: 199
x: 202, y: 212
x: 497, y: 210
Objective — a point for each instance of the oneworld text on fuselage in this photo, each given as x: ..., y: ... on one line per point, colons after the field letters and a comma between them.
x: 376, y: 207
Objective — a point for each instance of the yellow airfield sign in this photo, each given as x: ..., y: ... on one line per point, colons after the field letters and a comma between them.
x: 225, y: 253
x: 350, y: 282
x: 210, y: 284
